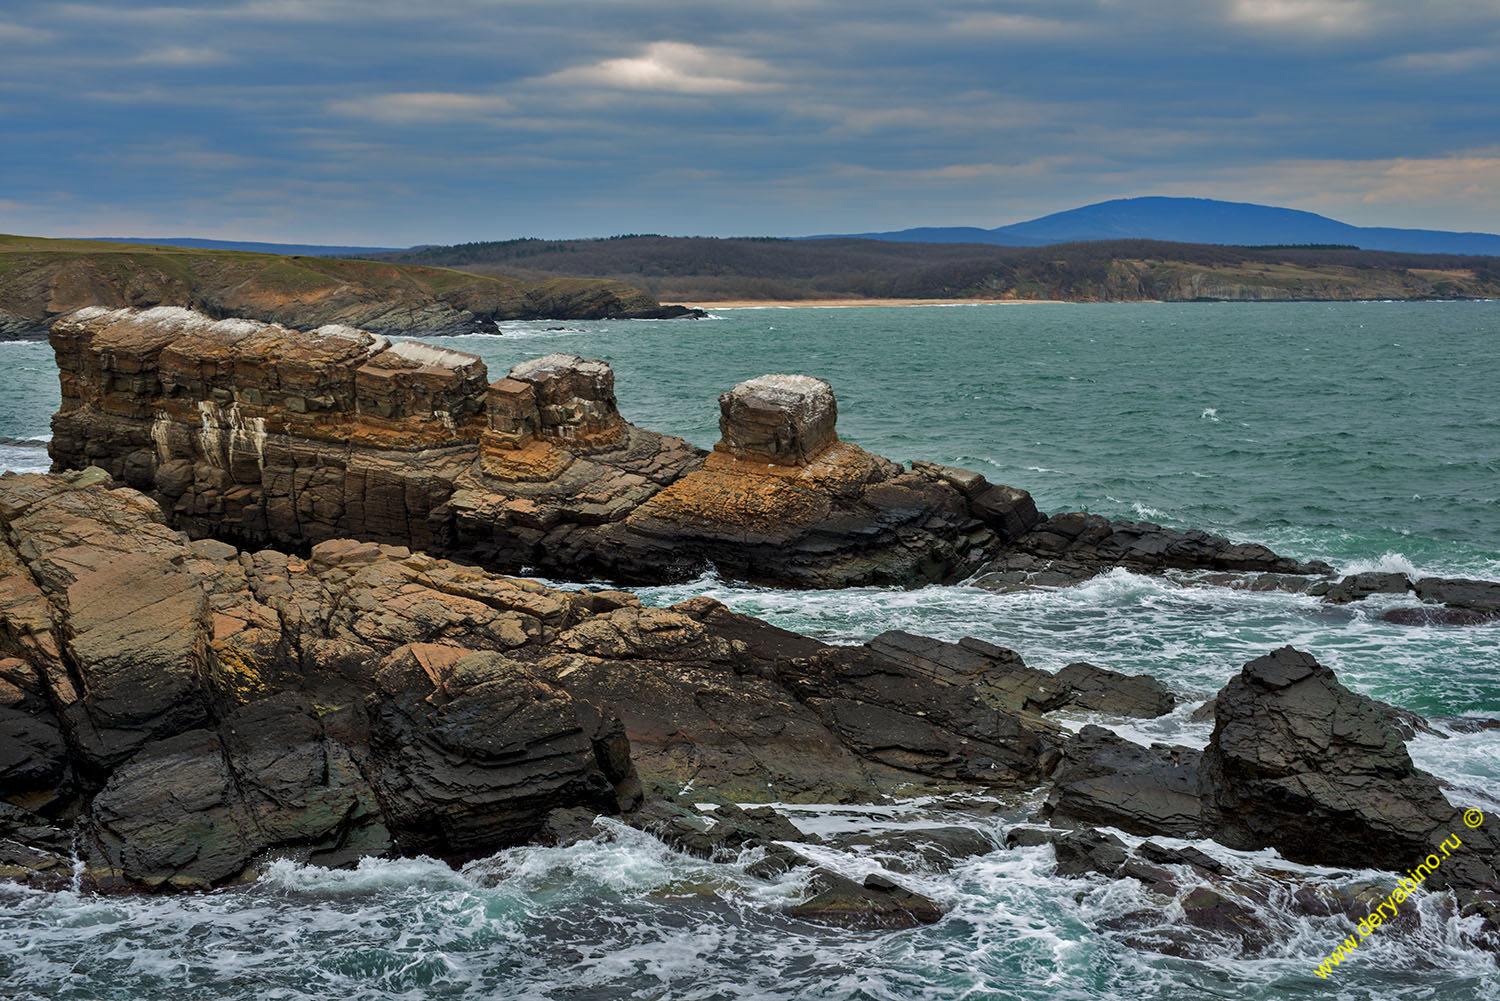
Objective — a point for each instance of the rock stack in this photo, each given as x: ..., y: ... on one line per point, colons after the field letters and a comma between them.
x: 258, y: 434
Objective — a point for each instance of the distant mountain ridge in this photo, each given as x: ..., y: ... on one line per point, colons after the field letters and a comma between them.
x: 302, y: 249
x: 1197, y: 220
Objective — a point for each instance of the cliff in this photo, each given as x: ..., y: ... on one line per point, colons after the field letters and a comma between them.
x: 263, y: 435
x: 696, y: 269
x: 43, y: 279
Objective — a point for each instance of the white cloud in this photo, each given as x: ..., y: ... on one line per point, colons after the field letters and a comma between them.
x: 1320, y: 17
x: 1017, y: 26
x: 419, y: 106
x: 673, y: 67
x: 1453, y: 61
x: 20, y: 34
x: 181, y: 55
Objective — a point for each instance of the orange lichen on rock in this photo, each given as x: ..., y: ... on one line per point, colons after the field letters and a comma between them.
x: 751, y: 492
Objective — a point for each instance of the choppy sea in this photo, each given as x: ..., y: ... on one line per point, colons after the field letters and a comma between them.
x: 1364, y: 434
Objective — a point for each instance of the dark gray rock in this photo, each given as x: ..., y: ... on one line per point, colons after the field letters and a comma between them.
x: 877, y: 903
x: 1106, y: 780
x: 1109, y: 691
x: 1086, y: 851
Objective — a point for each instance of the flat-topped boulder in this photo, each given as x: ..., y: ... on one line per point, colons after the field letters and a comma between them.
x: 786, y: 419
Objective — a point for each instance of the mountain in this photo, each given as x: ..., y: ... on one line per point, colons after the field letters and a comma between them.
x: 1199, y: 220
x: 297, y: 249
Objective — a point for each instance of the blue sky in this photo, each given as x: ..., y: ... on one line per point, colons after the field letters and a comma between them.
x: 393, y: 123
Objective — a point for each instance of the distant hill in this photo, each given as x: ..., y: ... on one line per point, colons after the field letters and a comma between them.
x: 1198, y: 220
x: 302, y: 249
x: 41, y: 279
x: 701, y: 269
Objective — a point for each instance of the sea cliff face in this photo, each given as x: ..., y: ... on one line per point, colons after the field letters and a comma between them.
x: 43, y: 279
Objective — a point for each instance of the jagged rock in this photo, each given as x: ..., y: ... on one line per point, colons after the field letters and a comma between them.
x: 932, y: 848
x: 722, y: 832
x: 1109, y: 691
x: 1072, y: 547
x: 1107, y: 780
x: 1005, y: 680
x: 877, y: 903
x: 1085, y: 851
x: 222, y: 707
x: 1474, y: 595
x: 1297, y: 763
x: 1358, y: 587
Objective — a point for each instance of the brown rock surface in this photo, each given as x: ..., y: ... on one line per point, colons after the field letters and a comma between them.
x: 259, y: 434
x: 197, y: 707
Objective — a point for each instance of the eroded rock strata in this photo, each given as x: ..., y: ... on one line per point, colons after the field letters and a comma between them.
x: 261, y: 435
x: 188, y: 708
x: 175, y: 713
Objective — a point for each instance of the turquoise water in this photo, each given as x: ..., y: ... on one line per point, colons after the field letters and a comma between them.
x: 1364, y: 434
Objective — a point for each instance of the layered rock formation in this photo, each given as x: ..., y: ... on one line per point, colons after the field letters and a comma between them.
x: 261, y: 435
x: 195, y: 707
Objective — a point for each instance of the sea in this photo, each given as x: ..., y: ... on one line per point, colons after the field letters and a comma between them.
x: 1364, y: 434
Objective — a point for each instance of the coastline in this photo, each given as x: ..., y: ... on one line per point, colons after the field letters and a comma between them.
x: 831, y: 303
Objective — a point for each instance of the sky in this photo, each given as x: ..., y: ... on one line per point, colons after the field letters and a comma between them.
x: 398, y: 122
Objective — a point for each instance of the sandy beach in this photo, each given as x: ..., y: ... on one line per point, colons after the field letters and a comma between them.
x: 824, y: 303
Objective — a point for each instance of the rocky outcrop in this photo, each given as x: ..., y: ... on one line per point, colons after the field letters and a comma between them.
x: 1297, y: 763
x: 41, y: 280
x: 197, y: 708
x: 1069, y: 548
x: 261, y: 435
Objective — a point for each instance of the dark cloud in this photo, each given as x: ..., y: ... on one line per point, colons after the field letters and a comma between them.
x: 377, y: 121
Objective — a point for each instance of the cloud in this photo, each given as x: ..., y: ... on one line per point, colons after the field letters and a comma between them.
x: 1457, y: 191
x: 1018, y: 26
x: 20, y: 34
x: 181, y: 55
x: 1322, y: 17
x: 673, y: 67
x: 422, y: 106
x: 1452, y: 61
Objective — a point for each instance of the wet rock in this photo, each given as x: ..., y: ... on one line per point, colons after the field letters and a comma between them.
x: 1472, y: 595
x: 567, y: 826
x: 877, y: 903
x: 722, y: 832
x: 1107, y: 780
x: 1357, y: 587
x: 1153, y: 852
x: 933, y: 848
x: 1108, y: 691
x: 1085, y: 851
x: 1428, y: 615
x: 1217, y: 914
